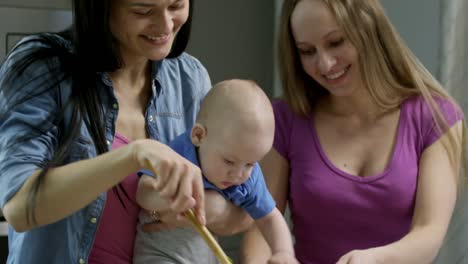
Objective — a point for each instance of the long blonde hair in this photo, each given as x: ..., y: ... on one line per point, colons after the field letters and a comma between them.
x: 390, y: 71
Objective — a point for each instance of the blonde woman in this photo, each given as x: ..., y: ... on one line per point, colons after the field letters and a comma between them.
x: 367, y: 146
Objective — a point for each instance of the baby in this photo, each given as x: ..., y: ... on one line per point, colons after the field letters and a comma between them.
x: 233, y: 131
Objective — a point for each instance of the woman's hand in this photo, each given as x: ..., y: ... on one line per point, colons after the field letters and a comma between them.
x: 367, y: 256
x: 178, y: 180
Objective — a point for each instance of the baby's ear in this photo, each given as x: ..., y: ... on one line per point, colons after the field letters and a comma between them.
x: 198, y: 134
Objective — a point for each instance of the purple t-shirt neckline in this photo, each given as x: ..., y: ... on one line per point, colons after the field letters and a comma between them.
x: 367, y: 179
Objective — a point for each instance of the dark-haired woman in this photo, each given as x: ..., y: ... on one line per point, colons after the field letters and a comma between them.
x: 80, y: 112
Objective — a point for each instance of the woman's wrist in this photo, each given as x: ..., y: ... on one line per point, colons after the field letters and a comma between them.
x: 136, y: 150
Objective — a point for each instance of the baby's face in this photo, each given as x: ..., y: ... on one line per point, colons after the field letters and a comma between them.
x: 228, y: 159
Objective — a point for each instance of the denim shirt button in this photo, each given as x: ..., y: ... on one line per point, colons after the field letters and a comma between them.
x: 93, y: 220
x: 151, y: 118
x: 108, y: 142
x: 82, y: 261
x: 115, y: 106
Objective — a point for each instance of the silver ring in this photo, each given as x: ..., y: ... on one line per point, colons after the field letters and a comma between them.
x: 155, y: 215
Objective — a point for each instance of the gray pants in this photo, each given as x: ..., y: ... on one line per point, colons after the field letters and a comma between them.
x: 176, y: 246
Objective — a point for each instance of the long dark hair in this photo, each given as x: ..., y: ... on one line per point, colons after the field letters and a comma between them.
x: 93, y: 50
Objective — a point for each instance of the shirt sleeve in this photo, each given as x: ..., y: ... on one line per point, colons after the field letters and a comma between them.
x: 450, y: 112
x: 283, y: 125
x: 28, y: 133
x: 201, y: 81
x: 259, y: 202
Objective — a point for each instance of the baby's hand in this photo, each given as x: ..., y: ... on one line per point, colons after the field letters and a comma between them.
x: 283, y: 257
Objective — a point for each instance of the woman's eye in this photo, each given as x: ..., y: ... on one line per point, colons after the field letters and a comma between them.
x: 176, y: 6
x: 143, y: 12
x: 228, y: 162
x: 336, y: 43
x: 306, y: 51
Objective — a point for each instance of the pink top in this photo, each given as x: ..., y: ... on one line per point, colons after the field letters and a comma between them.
x: 117, y: 227
x: 334, y: 212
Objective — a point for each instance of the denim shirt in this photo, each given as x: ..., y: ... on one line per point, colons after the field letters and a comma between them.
x: 179, y: 85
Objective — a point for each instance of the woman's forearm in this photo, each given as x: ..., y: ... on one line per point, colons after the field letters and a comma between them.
x: 223, y: 217
x: 421, y: 245
x: 69, y: 188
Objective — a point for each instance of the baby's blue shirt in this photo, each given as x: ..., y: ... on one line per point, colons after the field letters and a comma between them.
x: 252, y: 195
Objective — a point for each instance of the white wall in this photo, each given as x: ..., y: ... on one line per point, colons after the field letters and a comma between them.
x: 234, y: 39
x: 24, y: 21
x: 419, y: 23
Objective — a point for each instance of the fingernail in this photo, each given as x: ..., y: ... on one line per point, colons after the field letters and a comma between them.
x: 203, y: 220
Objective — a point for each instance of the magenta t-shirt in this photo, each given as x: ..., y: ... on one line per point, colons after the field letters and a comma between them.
x: 334, y: 212
x: 117, y: 228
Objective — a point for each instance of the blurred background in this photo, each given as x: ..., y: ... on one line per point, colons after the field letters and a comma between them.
x: 236, y: 39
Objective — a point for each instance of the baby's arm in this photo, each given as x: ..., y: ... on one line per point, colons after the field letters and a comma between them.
x: 147, y: 197
x: 276, y: 232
